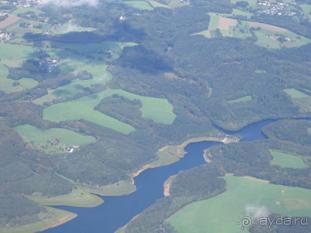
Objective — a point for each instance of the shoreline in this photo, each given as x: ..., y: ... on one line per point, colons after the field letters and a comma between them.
x: 167, y: 186
x: 170, y: 154
x: 53, y: 217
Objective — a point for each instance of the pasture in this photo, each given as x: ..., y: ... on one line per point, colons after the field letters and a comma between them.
x: 156, y: 109
x: 300, y: 99
x: 306, y: 8
x: 11, y: 19
x: 14, y: 54
x: 151, y: 4
x: 244, y: 197
x: 10, y: 86
x: 243, y: 99
x: 77, y: 87
x: 264, y: 35
x: 55, y: 140
x: 287, y: 160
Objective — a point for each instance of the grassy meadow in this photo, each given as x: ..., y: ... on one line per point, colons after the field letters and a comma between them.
x: 300, y: 99
x: 156, y: 109
x: 79, y: 197
x: 10, y: 86
x: 14, y: 54
x: 55, y: 140
x: 287, y: 160
x: 243, y: 99
x: 265, y: 35
x: 244, y: 197
x: 152, y: 4
x: 83, y: 109
x: 100, y: 77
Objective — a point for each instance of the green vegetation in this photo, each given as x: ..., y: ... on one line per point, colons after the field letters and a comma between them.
x: 239, y: 12
x: 151, y: 4
x: 51, y: 218
x: 156, y: 109
x: 244, y: 196
x: 295, y: 94
x: 79, y: 197
x: 120, y: 188
x: 141, y: 5
x: 14, y: 54
x: 265, y: 35
x: 252, y: 3
x: 243, y: 99
x: 307, y: 10
x: 9, y: 86
x: 56, y: 140
x: 287, y: 160
x: 301, y: 99
x: 100, y: 77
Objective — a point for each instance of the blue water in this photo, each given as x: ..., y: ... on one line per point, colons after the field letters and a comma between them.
x: 117, y: 211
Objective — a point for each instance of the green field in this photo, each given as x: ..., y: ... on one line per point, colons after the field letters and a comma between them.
x: 306, y: 10
x: 9, y: 86
x: 295, y: 94
x: 287, y: 160
x: 299, y: 98
x: 14, y: 54
x: 55, y: 140
x: 100, y: 77
x: 151, y: 4
x: 244, y: 197
x: 266, y: 35
x: 79, y: 197
x: 243, y: 99
x: 156, y: 109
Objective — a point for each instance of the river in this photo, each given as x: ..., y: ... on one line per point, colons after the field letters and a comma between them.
x: 118, y: 211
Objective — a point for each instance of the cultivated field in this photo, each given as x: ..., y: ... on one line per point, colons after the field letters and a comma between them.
x: 11, y: 19
x: 55, y: 140
x: 151, y: 4
x: 299, y: 98
x: 242, y: 99
x: 244, y: 197
x: 286, y: 160
x: 156, y: 109
x: 9, y: 86
x: 264, y: 35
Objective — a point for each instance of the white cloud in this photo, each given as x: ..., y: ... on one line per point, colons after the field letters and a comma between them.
x: 70, y: 3
x: 256, y: 212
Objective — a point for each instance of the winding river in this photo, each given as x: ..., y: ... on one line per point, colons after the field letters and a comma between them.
x: 118, y: 211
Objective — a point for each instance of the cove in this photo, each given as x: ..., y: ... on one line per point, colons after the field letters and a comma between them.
x: 118, y: 211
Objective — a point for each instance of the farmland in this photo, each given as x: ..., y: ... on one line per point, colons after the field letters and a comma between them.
x: 287, y: 160
x: 299, y: 98
x: 264, y: 35
x: 9, y: 86
x: 158, y: 110
x: 92, y: 93
x: 242, y: 99
x: 14, y: 54
x: 244, y: 196
x: 54, y: 140
x: 151, y: 4
x: 11, y: 19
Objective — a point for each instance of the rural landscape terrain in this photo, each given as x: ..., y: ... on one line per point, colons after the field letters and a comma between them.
x: 93, y: 93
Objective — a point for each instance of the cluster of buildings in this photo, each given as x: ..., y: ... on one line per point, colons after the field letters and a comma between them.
x: 4, y: 36
x: 277, y: 7
x: 22, y: 3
